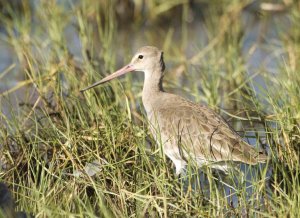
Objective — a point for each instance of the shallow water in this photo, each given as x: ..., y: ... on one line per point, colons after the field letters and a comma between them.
x: 262, y: 49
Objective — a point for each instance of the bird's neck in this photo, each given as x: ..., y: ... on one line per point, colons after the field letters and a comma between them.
x: 152, y: 89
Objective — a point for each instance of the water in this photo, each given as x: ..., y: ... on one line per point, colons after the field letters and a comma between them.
x: 260, y: 32
x: 262, y: 49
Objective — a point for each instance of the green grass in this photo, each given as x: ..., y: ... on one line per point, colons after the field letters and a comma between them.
x: 56, y: 131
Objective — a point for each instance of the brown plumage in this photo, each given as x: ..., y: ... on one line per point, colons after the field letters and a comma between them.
x: 187, y: 131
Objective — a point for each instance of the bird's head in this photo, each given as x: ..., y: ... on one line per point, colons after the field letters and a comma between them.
x: 146, y: 59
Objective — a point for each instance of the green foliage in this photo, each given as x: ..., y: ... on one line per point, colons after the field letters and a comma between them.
x: 57, y: 130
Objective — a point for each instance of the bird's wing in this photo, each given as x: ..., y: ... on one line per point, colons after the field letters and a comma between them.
x: 205, y: 134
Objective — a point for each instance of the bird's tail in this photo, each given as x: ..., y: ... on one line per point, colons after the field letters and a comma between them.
x: 254, y: 156
x: 257, y: 156
x: 262, y: 157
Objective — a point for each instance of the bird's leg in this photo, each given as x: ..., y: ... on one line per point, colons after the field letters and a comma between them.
x: 180, y: 167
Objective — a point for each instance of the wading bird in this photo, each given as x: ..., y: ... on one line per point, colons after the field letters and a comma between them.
x: 186, y: 130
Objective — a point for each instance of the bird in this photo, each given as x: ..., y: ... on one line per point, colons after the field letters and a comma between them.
x: 187, y: 131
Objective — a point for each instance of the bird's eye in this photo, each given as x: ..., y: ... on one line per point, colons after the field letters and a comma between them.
x: 141, y: 56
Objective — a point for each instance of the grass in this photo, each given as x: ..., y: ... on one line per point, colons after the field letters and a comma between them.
x: 55, y: 131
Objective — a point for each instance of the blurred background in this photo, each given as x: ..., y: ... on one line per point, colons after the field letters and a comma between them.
x: 199, y: 35
x: 240, y: 57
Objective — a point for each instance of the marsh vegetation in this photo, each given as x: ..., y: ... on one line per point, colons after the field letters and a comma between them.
x: 235, y: 56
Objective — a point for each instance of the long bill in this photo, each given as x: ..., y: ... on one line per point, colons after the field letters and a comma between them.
x: 128, y: 68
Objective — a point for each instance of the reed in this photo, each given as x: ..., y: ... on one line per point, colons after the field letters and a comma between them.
x: 55, y: 130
